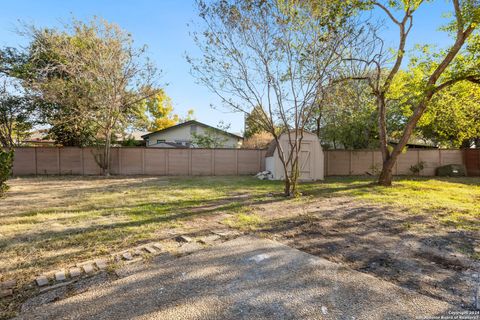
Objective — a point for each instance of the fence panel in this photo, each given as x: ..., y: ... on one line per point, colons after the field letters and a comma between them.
x: 24, y: 162
x: 225, y: 163
x: 202, y: 161
x: 178, y: 162
x: 249, y: 161
x: 472, y: 162
x: 359, y: 162
x: 48, y: 161
x: 197, y: 162
x: 338, y: 162
x: 70, y: 161
x: 155, y: 161
x: 132, y: 161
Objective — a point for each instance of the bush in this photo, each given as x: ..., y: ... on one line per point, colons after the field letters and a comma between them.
x: 451, y: 170
x: 416, y: 169
x: 6, y: 163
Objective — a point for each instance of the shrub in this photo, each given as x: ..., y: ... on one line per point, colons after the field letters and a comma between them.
x: 416, y: 169
x: 6, y: 163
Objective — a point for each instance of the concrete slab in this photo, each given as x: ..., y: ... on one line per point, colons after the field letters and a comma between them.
x: 246, y: 278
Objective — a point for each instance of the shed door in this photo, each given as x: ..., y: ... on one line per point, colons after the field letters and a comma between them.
x: 305, y: 160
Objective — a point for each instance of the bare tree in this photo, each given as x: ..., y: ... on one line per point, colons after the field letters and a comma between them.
x: 275, y: 56
x: 374, y: 63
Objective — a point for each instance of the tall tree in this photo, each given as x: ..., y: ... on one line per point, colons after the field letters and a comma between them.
x: 16, y: 114
x: 457, y: 63
x: 276, y: 54
x: 94, y: 70
x: 28, y: 66
x: 452, y: 118
x: 254, y: 124
x: 159, y: 113
x: 346, y: 118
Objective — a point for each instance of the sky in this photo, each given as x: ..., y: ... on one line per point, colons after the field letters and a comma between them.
x: 163, y: 25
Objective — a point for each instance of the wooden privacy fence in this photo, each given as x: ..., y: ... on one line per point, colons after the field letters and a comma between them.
x: 359, y: 162
x: 138, y: 161
x: 472, y: 161
x: 212, y: 162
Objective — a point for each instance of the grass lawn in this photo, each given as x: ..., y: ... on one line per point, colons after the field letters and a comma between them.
x: 50, y: 222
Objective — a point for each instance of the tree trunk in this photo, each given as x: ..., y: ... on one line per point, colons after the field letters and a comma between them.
x: 106, y: 155
x: 386, y: 176
x: 288, y: 186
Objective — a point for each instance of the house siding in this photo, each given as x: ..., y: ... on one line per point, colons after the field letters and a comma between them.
x: 183, y: 133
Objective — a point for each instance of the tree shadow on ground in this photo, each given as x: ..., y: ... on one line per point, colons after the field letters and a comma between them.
x: 244, y: 281
x: 388, y: 245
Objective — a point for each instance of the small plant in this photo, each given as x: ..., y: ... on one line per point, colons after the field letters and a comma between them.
x: 375, y: 169
x: 417, y: 168
x: 6, y: 163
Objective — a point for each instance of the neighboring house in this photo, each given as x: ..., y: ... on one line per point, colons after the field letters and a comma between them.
x: 134, y: 138
x: 38, y: 138
x: 182, y: 135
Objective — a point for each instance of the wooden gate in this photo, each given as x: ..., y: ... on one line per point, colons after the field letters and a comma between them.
x: 472, y: 161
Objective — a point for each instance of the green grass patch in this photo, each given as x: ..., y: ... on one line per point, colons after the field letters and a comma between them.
x: 49, y: 222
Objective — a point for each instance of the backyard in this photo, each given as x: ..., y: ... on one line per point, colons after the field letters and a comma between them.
x: 422, y: 233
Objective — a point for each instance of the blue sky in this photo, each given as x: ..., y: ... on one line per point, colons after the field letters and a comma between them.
x: 162, y: 25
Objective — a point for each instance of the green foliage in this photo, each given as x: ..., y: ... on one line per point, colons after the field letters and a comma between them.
x: 255, y: 122
x: 417, y: 168
x: 91, y: 78
x: 211, y: 137
x: 16, y: 115
x: 451, y: 117
x: 6, y: 163
x: 348, y: 117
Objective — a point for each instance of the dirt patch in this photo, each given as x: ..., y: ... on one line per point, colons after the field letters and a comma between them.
x: 410, y: 250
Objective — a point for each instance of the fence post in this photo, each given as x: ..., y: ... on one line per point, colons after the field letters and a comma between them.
x: 350, y: 163
x: 190, y: 161
x: 143, y: 161
x: 440, y: 157
x: 213, y: 162
x: 36, y: 162
x: 58, y: 161
x: 327, y: 153
x: 167, y: 166
x: 82, y: 160
x: 236, y: 162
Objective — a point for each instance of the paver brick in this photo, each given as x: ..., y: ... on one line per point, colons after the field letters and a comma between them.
x: 209, y: 239
x: 41, y: 281
x: 88, y: 268
x: 75, y: 272
x: 101, y: 264
x: 137, y: 252
x: 157, y: 246
x: 6, y: 293
x: 8, y: 284
x: 183, y: 239
x: 150, y: 249
x: 127, y: 256
x: 60, y: 275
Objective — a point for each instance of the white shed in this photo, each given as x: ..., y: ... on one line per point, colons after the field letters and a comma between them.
x: 311, y: 158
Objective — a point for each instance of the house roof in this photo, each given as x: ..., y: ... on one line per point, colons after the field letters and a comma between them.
x: 135, y: 135
x: 189, y: 123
